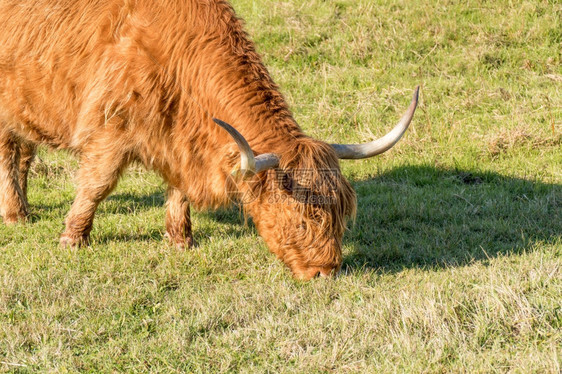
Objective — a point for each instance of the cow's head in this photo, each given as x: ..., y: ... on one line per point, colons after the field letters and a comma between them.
x: 299, y: 200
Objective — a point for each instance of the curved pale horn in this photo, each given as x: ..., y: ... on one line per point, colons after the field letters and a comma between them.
x: 378, y: 146
x: 249, y: 165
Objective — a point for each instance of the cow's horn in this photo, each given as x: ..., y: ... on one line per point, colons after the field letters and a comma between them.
x: 249, y: 165
x: 378, y: 146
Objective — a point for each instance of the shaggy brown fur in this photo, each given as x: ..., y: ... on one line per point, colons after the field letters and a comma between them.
x: 117, y: 81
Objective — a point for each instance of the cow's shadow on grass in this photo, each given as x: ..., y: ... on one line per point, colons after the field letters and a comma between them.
x: 422, y: 216
x: 411, y: 216
x: 127, y: 202
x: 226, y: 222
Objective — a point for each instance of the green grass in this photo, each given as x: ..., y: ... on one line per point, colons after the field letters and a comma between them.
x: 453, y: 264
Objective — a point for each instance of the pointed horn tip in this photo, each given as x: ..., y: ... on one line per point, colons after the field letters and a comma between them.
x: 414, y: 102
x: 219, y: 122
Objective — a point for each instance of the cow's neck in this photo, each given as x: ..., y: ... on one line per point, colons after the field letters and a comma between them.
x: 220, y: 75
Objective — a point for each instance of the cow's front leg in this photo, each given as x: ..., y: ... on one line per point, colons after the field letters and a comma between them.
x: 13, y: 205
x: 178, y: 221
x: 27, y: 154
x: 101, y: 165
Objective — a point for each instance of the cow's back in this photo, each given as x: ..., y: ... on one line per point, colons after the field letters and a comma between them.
x: 51, y: 64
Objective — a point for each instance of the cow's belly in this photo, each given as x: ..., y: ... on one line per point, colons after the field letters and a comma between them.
x: 34, y: 117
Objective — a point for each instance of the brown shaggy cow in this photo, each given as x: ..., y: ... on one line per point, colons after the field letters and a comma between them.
x: 117, y: 81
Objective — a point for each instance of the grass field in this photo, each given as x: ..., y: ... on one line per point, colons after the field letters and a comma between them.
x: 454, y: 261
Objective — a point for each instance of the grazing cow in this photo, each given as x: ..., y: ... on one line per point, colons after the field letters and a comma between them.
x: 117, y: 81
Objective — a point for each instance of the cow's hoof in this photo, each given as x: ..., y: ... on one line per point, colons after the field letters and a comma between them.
x: 12, y: 219
x: 180, y: 243
x: 73, y: 241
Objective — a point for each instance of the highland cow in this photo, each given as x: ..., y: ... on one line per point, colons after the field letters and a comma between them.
x: 118, y: 81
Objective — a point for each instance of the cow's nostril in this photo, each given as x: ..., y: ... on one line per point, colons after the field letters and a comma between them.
x: 315, y: 272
